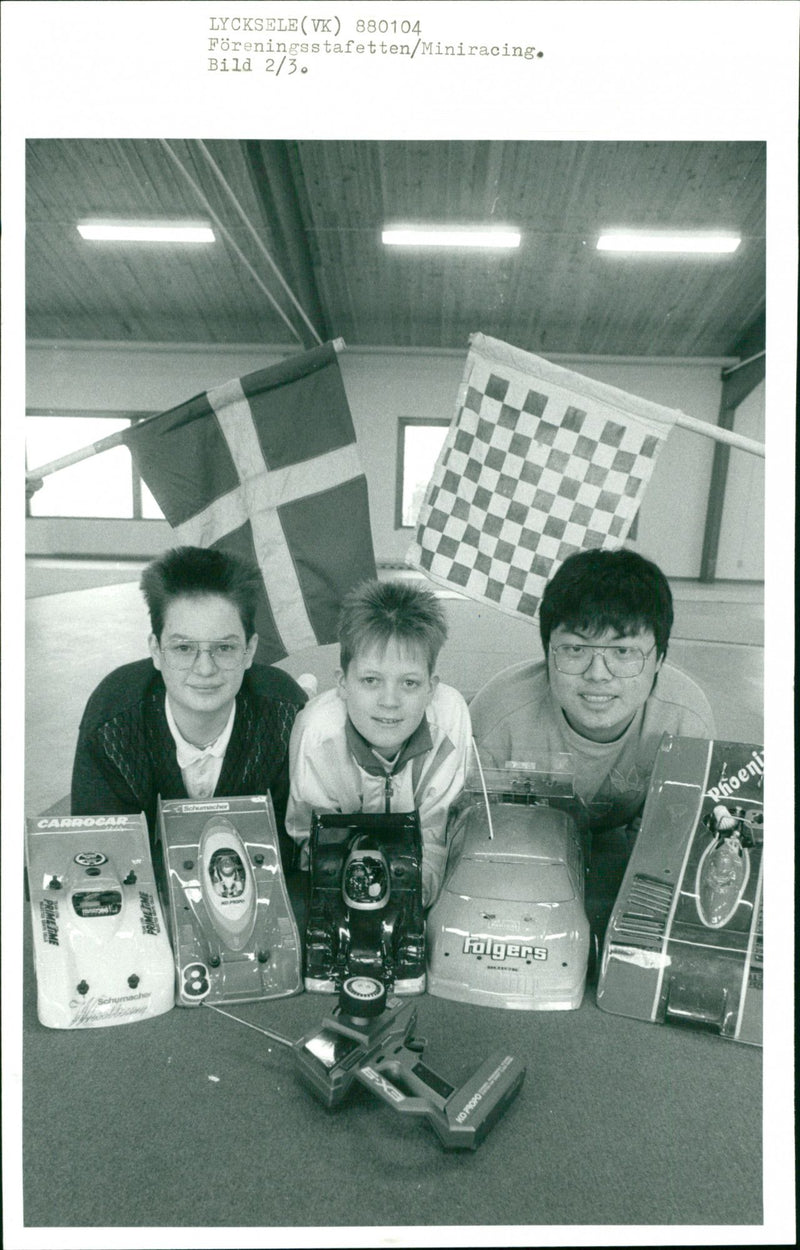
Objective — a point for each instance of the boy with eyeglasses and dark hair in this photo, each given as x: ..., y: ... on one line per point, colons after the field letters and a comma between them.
x: 604, y: 692
x: 199, y: 717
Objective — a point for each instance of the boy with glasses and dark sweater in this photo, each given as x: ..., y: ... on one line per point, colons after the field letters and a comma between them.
x: 198, y: 717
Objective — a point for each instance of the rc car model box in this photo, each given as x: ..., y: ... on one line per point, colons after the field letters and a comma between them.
x: 233, y: 930
x: 684, y: 944
x: 101, y: 951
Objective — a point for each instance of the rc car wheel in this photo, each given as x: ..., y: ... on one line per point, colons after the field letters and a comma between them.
x: 362, y: 996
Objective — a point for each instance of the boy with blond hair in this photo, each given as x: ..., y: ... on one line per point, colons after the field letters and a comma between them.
x: 390, y: 737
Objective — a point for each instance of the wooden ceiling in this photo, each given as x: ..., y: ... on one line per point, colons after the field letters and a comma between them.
x: 307, y: 216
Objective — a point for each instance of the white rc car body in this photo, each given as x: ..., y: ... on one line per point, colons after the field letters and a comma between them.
x: 509, y: 927
x: 101, y: 951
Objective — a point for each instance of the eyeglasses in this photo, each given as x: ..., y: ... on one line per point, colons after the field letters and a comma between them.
x: 183, y: 655
x: 577, y: 657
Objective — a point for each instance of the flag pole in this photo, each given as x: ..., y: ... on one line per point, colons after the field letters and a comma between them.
x: 111, y: 440
x: 518, y: 358
x: 83, y: 453
x: 721, y: 435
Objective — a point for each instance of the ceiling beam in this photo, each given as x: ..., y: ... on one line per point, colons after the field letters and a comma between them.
x: 279, y: 197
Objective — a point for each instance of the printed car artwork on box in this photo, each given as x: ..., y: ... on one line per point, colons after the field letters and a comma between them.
x: 685, y: 942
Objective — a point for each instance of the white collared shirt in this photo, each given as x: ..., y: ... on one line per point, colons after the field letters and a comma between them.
x: 200, y: 766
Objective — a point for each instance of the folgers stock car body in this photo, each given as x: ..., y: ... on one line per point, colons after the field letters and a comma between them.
x: 685, y: 941
x: 101, y: 951
x: 233, y: 929
x: 365, y: 905
x: 509, y: 927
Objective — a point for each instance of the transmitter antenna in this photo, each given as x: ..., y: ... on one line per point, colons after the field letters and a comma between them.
x: 276, y: 1037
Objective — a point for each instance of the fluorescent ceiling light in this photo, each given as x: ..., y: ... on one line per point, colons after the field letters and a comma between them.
x: 141, y: 232
x: 446, y: 236
x: 640, y: 241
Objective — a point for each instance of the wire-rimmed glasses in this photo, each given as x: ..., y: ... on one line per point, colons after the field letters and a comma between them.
x: 575, y: 658
x: 183, y: 654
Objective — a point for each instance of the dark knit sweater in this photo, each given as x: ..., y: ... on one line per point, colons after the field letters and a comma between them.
x: 126, y: 755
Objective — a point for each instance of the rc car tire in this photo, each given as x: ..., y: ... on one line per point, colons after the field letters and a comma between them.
x: 362, y: 996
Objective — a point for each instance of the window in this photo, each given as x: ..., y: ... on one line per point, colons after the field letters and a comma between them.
x: 419, y: 442
x: 515, y: 881
x: 105, y: 485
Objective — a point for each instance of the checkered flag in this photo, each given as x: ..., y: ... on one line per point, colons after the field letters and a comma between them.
x: 539, y: 462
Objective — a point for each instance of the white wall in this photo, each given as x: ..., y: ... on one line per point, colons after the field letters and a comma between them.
x: 381, y: 387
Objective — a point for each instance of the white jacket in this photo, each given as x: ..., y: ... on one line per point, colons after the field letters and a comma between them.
x: 326, y: 775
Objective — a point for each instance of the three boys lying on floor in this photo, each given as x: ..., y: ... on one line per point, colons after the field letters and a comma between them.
x: 200, y: 717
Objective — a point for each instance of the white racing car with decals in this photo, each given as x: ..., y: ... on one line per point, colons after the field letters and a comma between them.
x: 101, y: 951
x: 509, y: 927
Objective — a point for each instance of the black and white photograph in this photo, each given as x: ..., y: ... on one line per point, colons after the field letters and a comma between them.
x: 398, y: 435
